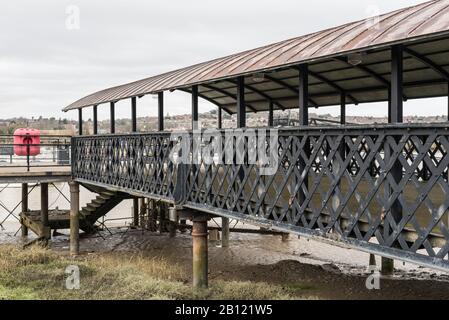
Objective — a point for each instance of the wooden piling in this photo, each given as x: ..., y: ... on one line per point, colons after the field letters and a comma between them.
x: 74, y: 218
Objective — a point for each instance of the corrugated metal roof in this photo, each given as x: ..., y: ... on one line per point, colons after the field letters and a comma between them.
x: 423, y: 20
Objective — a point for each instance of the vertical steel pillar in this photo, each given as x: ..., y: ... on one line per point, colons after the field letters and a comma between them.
x: 200, y: 259
x: 241, y: 105
x: 80, y: 121
x: 44, y: 209
x: 303, y: 121
x: 134, y: 114
x: 112, y: 108
x: 74, y: 217
x: 135, y: 212
x: 270, y: 114
x: 160, y: 101
x: 448, y: 101
x: 220, y: 118
x: 24, y: 207
x: 195, y: 108
x: 95, y: 124
x: 395, y: 116
x: 343, y: 109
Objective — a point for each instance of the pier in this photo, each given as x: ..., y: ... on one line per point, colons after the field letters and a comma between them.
x: 377, y: 188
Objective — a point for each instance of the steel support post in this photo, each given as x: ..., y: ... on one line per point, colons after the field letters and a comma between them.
x: 395, y: 116
x: 80, y: 121
x: 271, y: 114
x: 241, y: 105
x: 303, y: 121
x: 134, y: 114
x: 44, y: 208
x: 200, y: 258
x: 220, y: 118
x: 24, y: 207
x: 160, y: 111
x: 112, y: 115
x: 135, y: 212
x: 195, y: 108
x: 95, y: 120
x: 74, y: 218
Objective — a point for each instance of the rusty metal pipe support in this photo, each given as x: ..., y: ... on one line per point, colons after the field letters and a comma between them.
x: 74, y: 218
x: 200, y: 252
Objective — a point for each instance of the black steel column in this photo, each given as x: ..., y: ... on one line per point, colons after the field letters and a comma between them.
x: 195, y: 107
x: 241, y: 107
x: 112, y: 117
x: 74, y: 218
x: 304, y: 95
x: 160, y: 101
x: 95, y: 124
x: 395, y: 113
x: 24, y: 207
x: 44, y: 211
x: 134, y: 114
x: 80, y: 121
x: 220, y: 118
x: 343, y: 109
x: 396, y: 101
x: 270, y: 114
x: 448, y: 101
x: 303, y: 121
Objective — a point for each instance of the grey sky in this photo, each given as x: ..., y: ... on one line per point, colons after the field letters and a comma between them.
x: 44, y: 66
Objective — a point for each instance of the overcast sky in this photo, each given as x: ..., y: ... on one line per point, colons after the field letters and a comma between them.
x: 45, y: 65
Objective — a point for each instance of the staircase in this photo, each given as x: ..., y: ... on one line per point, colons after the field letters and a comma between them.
x: 98, y: 207
x: 60, y: 219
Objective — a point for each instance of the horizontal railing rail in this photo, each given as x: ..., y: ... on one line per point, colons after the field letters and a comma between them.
x: 381, y: 189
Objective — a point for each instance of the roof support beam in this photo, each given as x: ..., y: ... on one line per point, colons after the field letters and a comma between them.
x: 95, y: 120
x: 262, y: 94
x: 160, y: 111
x: 225, y: 93
x: 207, y: 99
x: 241, y: 110
x: 112, y: 115
x: 289, y: 87
x: 370, y: 72
x: 441, y: 71
x: 333, y: 85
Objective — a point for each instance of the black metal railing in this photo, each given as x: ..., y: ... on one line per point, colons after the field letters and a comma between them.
x: 50, y: 151
x: 381, y: 189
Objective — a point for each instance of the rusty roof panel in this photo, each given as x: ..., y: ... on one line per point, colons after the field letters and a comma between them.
x: 425, y: 19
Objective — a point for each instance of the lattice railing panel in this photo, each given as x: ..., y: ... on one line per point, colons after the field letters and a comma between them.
x: 384, y: 188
